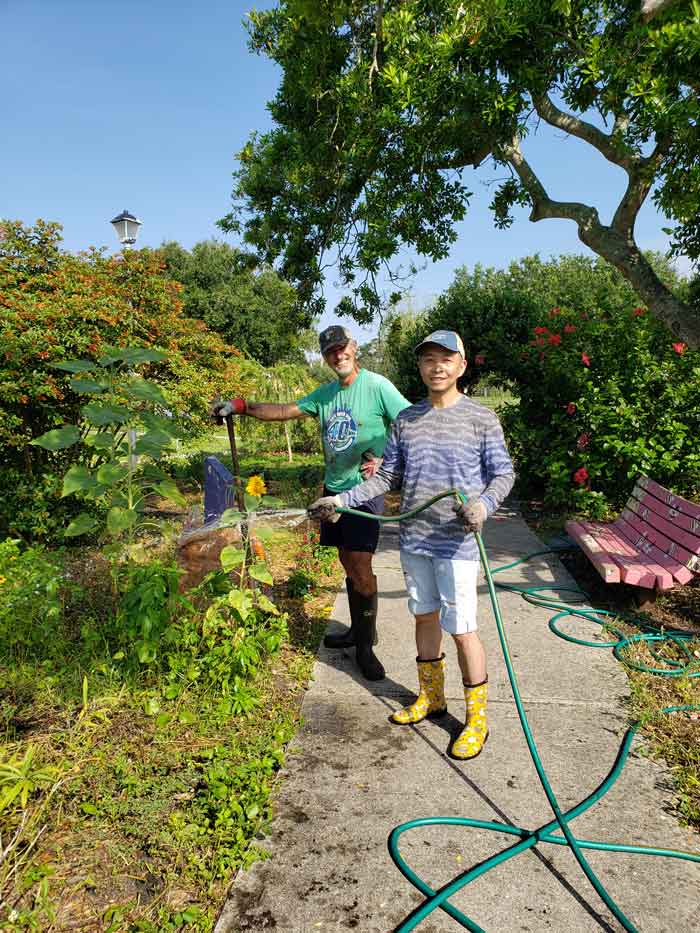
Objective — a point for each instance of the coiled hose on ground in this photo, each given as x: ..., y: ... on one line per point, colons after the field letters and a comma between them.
x: 527, y: 838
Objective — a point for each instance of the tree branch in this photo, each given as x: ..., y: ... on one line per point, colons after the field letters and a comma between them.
x: 542, y: 205
x: 652, y: 8
x: 374, y: 67
x: 639, y: 184
x: 607, y: 145
x: 615, y: 246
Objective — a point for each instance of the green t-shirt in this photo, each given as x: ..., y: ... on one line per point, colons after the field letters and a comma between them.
x: 353, y: 420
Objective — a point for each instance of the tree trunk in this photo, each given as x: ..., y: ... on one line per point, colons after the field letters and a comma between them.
x: 680, y: 318
x: 289, y: 441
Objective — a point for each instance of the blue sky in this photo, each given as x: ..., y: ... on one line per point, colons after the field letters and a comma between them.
x: 143, y: 106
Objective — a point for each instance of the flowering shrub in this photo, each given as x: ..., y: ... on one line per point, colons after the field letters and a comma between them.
x: 613, y: 397
x: 54, y: 307
x: 605, y: 393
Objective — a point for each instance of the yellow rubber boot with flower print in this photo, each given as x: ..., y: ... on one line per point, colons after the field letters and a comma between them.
x: 472, y: 738
x: 430, y: 702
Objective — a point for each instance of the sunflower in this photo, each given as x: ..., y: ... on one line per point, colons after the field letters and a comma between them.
x: 256, y: 486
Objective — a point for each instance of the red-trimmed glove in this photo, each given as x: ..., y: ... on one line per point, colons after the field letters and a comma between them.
x: 220, y: 408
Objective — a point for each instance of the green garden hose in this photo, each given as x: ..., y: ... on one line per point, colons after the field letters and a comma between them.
x: 527, y: 838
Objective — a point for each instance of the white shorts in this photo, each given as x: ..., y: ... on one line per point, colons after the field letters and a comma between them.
x: 438, y: 583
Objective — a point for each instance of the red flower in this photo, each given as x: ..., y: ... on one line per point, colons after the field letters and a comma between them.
x: 585, y: 359
x: 479, y: 360
x: 540, y: 341
x: 541, y: 330
x: 580, y: 476
x: 583, y: 441
x: 639, y: 312
x: 569, y: 328
x: 555, y: 339
x: 571, y: 409
x: 680, y: 348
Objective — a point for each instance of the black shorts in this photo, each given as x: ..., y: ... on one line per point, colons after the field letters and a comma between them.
x: 353, y: 533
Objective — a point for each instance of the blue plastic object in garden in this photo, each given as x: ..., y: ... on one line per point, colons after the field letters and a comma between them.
x: 219, y: 492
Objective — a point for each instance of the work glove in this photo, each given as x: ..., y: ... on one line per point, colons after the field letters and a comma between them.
x: 324, y: 509
x: 223, y: 408
x: 370, y: 465
x: 472, y: 515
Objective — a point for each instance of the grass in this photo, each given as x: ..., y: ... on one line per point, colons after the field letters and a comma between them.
x: 145, y: 791
x: 296, y: 483
x: 494, y: 398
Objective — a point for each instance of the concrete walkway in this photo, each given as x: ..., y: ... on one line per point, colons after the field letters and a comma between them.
x: 351, y: 777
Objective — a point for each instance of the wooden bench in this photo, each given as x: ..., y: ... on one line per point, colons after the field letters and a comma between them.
x: 654, y: 544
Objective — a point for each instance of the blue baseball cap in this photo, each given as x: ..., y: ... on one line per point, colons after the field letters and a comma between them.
x: 448, y: 339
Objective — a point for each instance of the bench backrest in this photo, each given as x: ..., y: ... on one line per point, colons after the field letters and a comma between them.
x: 666, y: 521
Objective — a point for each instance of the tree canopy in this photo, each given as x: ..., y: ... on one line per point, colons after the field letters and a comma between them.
x: 253, y: 308
x: 383, y: 105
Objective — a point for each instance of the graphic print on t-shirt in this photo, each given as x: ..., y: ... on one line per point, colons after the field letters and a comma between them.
x: 341, y: 430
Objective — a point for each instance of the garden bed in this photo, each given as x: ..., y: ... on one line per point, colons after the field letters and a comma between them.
x: 147, y: 789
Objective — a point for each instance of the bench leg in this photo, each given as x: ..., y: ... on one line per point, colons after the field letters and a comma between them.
x: 644, y: 597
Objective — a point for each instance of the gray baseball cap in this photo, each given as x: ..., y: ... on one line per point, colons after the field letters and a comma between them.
x: 448, y: 339
x: 334, y: 336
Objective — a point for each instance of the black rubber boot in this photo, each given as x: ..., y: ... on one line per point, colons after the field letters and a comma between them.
x: 365, y: 632
x: 344, y: 639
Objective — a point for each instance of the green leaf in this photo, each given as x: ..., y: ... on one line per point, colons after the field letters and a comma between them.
x: 118, y: 656
x: 103, y: 440
x: 240, y: 601
x: 76, y: 366
x: 151, y: 706
x: 144, y: 391
x: 162, y: 720
x: 112, y: 473
x: 230, y: 557
x: 230, y: 517
x: 80, y: 525
x: 266, y: 604
x: 187, y: 718
x: 59, y: 438
x: 89, y: 808
x: 251, y: 502
x: 259, y: 571
x: 272, y: 502
x: 76, y: 479
x: 132, y: 355
x: 252, y: 811
x: 95, y: 492
x: 119, y: 520
x: 169, y: 490
x: 105, y: 414
x: 86, y: 386
x: 153, y: 443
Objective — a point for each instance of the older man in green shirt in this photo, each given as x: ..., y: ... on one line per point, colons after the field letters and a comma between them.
x: 355, y: 412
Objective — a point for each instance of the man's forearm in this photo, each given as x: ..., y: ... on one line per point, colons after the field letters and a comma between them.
x: 271, y: 411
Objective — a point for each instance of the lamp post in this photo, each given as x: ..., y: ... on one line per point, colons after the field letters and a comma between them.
x: 126, y: 227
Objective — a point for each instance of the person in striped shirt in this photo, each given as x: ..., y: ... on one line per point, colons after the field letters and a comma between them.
x: 443, y: 442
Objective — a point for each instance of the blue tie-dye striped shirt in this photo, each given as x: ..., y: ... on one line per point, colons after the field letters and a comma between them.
x: 432, y: 449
